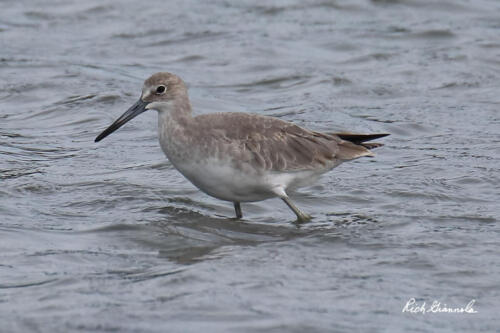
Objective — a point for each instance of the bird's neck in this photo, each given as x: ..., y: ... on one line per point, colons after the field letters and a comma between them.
x: 175, y: 112
x: 175, y: 125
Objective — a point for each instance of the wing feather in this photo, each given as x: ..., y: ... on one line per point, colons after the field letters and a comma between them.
x: 273, y: 144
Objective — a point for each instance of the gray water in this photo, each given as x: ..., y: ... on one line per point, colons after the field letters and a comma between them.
x: 109, y: 237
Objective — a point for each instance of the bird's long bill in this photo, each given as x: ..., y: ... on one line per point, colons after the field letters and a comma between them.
x: 135, y: 110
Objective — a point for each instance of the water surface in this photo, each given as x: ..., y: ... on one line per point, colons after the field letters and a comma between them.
x: 110, y: 237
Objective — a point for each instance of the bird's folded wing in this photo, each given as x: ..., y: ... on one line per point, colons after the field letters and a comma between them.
x: 276, y: 145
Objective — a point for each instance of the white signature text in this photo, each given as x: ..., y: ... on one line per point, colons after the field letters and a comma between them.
x: 437, y: 307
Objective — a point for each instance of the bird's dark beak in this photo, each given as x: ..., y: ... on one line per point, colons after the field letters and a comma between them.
x: 135, y: 110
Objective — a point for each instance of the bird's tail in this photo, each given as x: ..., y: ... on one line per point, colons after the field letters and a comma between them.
x: 360, y: 139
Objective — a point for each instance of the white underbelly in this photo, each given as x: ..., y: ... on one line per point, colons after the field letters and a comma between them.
x: 225, y: 182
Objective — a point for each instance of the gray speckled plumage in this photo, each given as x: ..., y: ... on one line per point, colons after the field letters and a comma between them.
x: 270, y: 144
x: 237, y: 156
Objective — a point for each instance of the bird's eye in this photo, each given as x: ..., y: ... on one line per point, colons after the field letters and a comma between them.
x: 161, y: 89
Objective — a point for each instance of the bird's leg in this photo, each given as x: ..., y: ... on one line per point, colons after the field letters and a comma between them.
x: 301, y: 217
x: 237, y: 209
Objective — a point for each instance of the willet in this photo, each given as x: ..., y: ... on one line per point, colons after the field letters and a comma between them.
x: 240, y: 157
